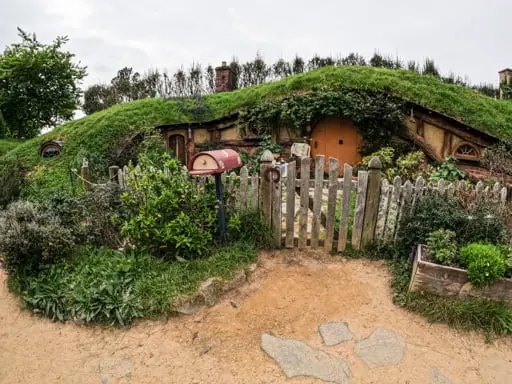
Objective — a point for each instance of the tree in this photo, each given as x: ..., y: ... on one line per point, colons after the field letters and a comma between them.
x: 353, y: 59
x: 38, y: 85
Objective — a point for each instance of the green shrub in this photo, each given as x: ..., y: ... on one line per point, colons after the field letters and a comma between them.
x: 168, y: 215
x: 11, y: 183
x: 31, y: 238
x: 448, y: 171
x: 484, y: 262
x: 441, y: 246
x: 249, y: 226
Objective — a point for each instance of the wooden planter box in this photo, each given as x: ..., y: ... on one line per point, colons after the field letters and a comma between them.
x: 449, y: 281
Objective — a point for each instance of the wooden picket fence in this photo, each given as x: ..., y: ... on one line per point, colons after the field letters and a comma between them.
x: 332, y: 213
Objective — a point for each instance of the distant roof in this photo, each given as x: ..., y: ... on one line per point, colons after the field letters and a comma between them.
x: 505, y: 70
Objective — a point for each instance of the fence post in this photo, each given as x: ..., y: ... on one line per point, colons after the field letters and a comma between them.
x: 86, y: 175
x: 372, y: 201
x: 266, y: 186
x: 113, y: 171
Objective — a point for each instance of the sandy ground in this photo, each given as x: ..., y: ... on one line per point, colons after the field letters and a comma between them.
x: 288, y: 296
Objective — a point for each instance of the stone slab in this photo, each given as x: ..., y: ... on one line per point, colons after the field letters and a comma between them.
x: 334, y: 333
x: 383, y: 348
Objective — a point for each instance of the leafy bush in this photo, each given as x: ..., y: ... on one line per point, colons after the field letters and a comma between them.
x: 269, y: 144
x: 31, y: 238
x: 110, y: 287
x: 448, y: 171
x: 168, y: 215
x: 11, y: 183
x: 484, y: 262
x: 441, y: 246
x: 409, y: 166
x: 249, y: 226
x: 482, y: 222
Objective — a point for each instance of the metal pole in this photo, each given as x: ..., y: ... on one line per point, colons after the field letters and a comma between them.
x: 222, y: 215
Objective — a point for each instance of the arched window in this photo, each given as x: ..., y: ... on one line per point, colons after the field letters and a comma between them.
x: 177, y: 146
x: 467, y: 151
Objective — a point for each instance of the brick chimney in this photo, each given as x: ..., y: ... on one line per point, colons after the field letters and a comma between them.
x: 224, y: 78
x: 505, y: 78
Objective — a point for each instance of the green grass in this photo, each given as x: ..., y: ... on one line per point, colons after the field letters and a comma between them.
x: 92, y: 136
x: 7, y: 145
x: 109, y: 287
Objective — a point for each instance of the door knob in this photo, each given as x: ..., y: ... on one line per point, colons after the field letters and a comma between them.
x: 340, y: 141
x: 316, y: 144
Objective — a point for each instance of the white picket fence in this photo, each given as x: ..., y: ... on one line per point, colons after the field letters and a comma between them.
x: 331, y: 212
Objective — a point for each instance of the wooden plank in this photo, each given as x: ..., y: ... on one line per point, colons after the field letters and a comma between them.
x: 276, y: 207
x: 317, y: 202
x: 479, y: 188
x: 266, y: 188
x: 304, y: 201
x: 418, y: 190
x: 385, y: 191
x: 450, y: 191
x: 496, y: 190
x: 503, y: 195
x: 357, y: 229
x: 232, y: 191
x: 441, y: 187
x: 372, y: 201
x: 331, y: 203
x: 406, y: 204
x: 290, y: 205
x: 255, y: 191
x: 345, y: 207
x: 394, y: 204
x: 244, y: 184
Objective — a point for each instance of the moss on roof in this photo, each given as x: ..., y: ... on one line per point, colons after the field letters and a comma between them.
x: 91, y: 136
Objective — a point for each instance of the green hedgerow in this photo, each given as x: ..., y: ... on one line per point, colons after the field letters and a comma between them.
x: 441, y: 246
x: 485, y: 263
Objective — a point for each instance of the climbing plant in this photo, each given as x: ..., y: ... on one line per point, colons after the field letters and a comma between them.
x: 378, y: 115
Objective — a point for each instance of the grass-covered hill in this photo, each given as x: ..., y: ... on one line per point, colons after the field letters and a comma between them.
x: 95, y: 135
x: 7, y: 145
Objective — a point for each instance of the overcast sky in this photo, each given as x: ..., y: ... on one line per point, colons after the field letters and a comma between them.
x: 468, y: 37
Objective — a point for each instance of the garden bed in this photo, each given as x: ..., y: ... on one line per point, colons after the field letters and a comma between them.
x: 451, y: 281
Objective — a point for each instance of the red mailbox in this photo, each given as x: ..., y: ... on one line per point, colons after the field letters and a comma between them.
x: 214, y: 162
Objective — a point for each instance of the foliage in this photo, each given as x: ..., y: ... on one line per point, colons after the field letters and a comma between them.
x: 97, y: 133
x: 38, y: 85
x: 269, y: 144
x: 484, y: 262
x: 167, y: 214
x: 498, y: 159
x: 110, y: 287
x: 7, y: 145
x: 378, y: 120
x: 441, y: 246
x: 249, y: 225
x: 448, y: 171
x: 408, y: 166
x: 31, y: 238
x: 11, y: 183
x: 481, y: 222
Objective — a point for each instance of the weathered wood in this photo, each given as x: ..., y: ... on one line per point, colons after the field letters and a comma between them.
x: 121, y: 178
x: 449, y: 281
x: 496, y: 189
x: 345, y: 207
x: 503, y: 195
x: 372, y: 201
x: 479, y: 188
x: 450, y: 191
x: 331, y: 203
x: 290, y: 205
x: 304, y: 201
x: 244, y: 184
x: 85, y: 173
x: 357, y: 229
x: 394, y: 204
x: 276, y: 207
x: 385, y: 192
x: 405, y: 206
x: 113, y: 171
x: 232, y: 191
x: 441, y: 187
x: 317, y: 203
x: 255, y: 191
x: 266, y: 186
x: 418, y: 190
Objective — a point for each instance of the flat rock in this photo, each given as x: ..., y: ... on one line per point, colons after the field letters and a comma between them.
x: 382, y: 348
x: 335, y: 333
x: 438, y: 378
x: 296, y: 358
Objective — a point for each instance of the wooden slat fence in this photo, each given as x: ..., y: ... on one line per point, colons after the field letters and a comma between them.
x: 326, y: 211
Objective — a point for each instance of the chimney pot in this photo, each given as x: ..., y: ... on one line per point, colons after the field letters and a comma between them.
x: 224, y: 63
x: 224, y: 78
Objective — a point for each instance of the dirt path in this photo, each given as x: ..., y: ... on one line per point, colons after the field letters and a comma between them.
x: 288, y: 297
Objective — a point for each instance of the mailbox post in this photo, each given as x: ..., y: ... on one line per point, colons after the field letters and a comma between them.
x: 215, y: 163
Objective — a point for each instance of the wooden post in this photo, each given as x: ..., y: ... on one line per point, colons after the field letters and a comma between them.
x: 357, y: 228
x: 317, y: 203
x: 254, y: 191
x: 244, y: 184
x: 305, y: 168
x: 372, y: 201
x: 345, y: 207
x: 113, y: 173
x: 276, y: 205
x: 266, y: 186
x: 290, y: 204
x: 86, y: 175
x: 332, y: 199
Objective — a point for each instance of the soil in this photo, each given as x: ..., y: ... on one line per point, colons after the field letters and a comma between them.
x: 289, y: 295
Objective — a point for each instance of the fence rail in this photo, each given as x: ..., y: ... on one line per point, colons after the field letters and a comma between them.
x: 333, y: 212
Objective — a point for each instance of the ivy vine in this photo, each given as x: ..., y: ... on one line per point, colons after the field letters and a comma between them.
x: 378, y: 115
